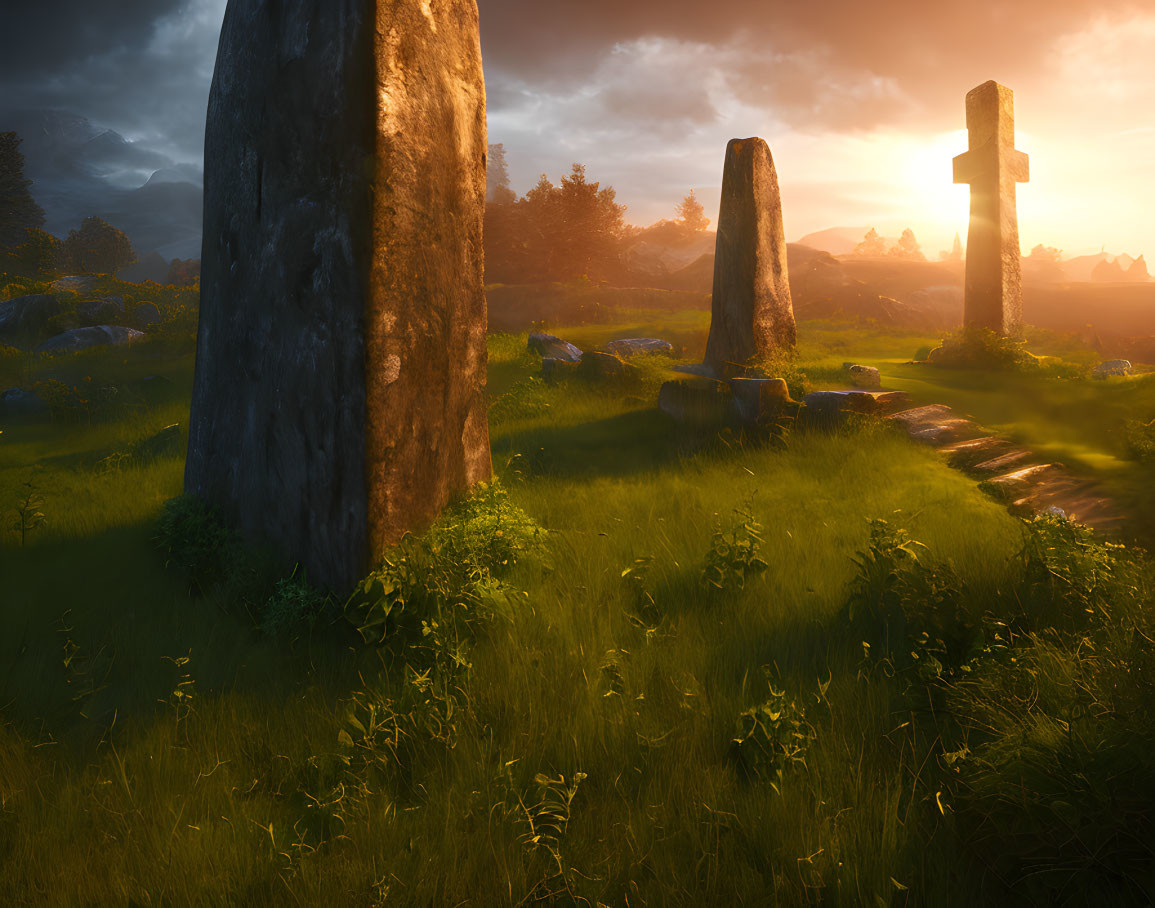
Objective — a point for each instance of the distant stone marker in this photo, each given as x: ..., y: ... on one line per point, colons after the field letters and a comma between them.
x: 339, y: 392
x: 752, y: 311
x: 992, y: 166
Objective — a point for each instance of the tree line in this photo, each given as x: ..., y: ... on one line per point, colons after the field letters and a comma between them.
x: 26, y: 249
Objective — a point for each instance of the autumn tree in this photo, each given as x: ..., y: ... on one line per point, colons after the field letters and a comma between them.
x: 38, y: 256
x: 18, y: 210
x: 692, y: 214
x: 97, y: 248
x: 907, y: 247
x: 872, y: 244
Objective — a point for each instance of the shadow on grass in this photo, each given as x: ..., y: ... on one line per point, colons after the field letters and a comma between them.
x: 638, y: 441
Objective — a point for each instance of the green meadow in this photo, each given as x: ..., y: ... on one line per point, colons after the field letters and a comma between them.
x: 698, y: 672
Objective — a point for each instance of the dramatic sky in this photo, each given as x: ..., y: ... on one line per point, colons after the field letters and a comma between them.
x: 862, y: 103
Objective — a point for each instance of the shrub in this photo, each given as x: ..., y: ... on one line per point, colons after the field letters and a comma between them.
x: 193, y: 539
x: 772, y: 737
x: 1139, y: 436
x: 294, y: 607
x: 460, y: 564
x: 733, y: 554
x: 979, y: 348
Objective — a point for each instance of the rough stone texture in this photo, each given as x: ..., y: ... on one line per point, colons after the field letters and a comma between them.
x: 27, y: 316
x: 992, y: 166
x: 635, y: 346
x: 84, y: 338
x: 752, y: 313
x: 865, y: 377
x: 759, y: 400
x: 548, y: 345
x: 1113, y: 367
x: 554, y: 370
x: 339, y: 392
x: 598, y: 365
x: 75, y: 283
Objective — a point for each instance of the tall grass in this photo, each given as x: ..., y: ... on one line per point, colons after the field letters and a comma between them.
x: 586, y: 753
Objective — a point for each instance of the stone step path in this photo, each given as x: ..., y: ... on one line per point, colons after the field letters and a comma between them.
x: 1027, y: 483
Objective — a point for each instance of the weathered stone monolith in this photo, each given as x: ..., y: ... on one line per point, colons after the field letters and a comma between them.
x: 339, y: 391
x: 752, y: 311
x: 992, y: 166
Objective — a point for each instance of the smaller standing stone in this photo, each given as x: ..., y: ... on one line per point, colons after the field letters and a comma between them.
x: 752, y: 313
x: 757, y: 400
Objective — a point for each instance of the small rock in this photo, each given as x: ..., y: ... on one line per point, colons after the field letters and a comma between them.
x: 145, y: 314
x: 596, y: 364
x: 16, y: 402
x: 555, y: 348
x: 76, y: 283
x: 634, y: 346
x: 84, y: 338
x: 697, y: 402
x: 759, y: 400
x: 865, y: 377
x: 1113, y: 367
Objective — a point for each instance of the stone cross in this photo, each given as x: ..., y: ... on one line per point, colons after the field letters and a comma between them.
x: 992, y: 166
x: 339, y: 397
x: 752, y: 313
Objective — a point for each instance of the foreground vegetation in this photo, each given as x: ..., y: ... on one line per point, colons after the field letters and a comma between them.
x: 644, y: 668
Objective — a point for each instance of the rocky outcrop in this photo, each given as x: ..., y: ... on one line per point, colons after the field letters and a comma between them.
x: 27, y: 317
x: 638, y: 346
x: 339, y: 397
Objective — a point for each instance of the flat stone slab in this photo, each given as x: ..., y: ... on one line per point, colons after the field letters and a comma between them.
x: 1014, y: 487
x: 1002, y: 462
x: 637, y: 346
x: 963, y: 455
x: 932, y: 413
x: 942, y: 433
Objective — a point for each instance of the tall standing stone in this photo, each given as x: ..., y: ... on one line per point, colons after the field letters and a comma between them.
x: 339, y: 391
x: 752, y: 311
x: 992, y: 166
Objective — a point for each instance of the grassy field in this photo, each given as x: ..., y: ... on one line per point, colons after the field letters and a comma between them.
x: 158, y: 748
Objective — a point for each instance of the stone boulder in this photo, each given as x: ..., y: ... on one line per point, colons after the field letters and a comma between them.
x: 75, y: 283
x: 27, y: 316
x: 145, y: 314
x: 864, y: 376
x: 85, y: 338
x: 635, y: 346
x: 759, y: 400
x: 547, y: 345
x: 597, y: 365
x: 16, y: 402
x: 697, y: 402
x: 825, y: 409
x: 1119, y: 367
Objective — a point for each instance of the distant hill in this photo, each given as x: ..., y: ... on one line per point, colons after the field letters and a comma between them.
x: 79, y: 170
x: 835, y: 240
